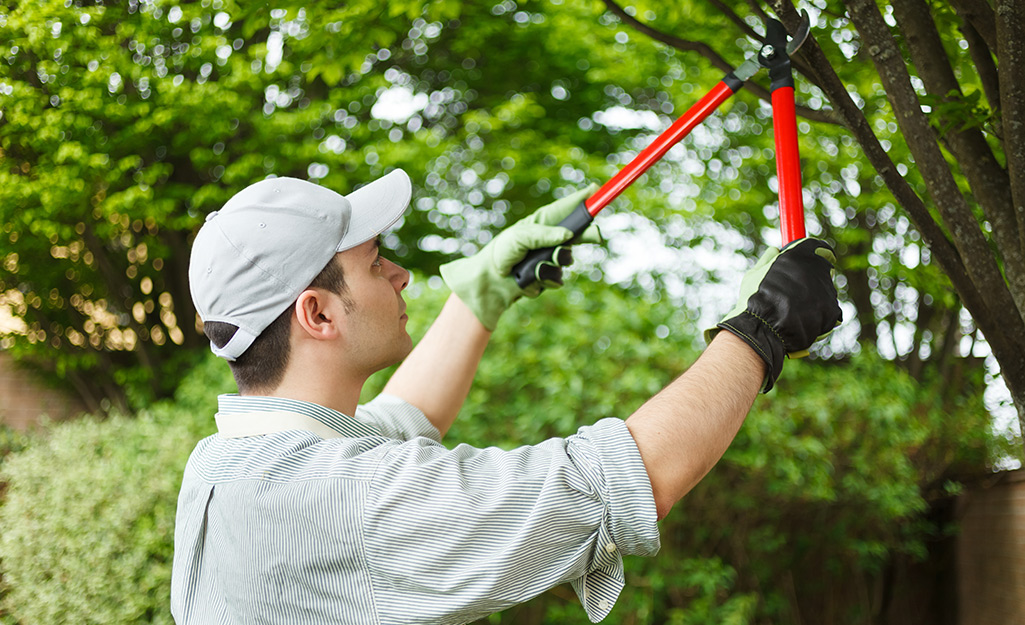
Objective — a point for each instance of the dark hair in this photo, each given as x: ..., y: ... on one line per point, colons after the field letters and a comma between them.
x: 262, y: 366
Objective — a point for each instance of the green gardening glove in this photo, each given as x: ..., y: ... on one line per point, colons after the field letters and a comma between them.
x: 787, y: 302
x: 483, y: 281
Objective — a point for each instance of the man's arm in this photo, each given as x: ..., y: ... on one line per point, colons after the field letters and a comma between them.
x: 437, y: 374
x: 787, y: 301
x: 683, y: 430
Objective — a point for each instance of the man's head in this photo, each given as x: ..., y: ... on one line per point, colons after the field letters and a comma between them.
x: 276, y: 244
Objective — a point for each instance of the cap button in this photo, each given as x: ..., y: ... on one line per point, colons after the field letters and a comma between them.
x: 211, y: 215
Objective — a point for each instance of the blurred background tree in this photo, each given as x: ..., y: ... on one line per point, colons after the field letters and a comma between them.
x: 931, y: 92
x: 825, y: 494
x: 124, y: 124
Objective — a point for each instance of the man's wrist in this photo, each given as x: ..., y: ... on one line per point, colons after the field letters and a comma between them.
x: 763, y: 342
x: 748, y: 357
x: 466, y: 316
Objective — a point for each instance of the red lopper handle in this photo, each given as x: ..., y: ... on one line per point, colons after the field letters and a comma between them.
x: 651, y: 154
x: 788, y: 165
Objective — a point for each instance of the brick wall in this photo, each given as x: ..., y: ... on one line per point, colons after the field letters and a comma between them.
x: 991, y: 552
x: 23, y: 398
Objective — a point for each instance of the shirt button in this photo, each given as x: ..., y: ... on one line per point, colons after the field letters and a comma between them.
x: 610, y: 547
x: 603, y: 605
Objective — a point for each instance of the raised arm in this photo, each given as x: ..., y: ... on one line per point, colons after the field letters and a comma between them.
x: 787, y: 302
x: 683, y: 430
x: 436, y: 376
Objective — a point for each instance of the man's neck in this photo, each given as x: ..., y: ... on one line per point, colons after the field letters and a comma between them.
x: 335, y: 393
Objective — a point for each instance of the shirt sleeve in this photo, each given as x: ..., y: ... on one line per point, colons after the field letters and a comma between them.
x: 455, y: 535
x: 397, y: 418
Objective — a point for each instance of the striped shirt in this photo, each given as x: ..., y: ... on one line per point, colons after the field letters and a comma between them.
x: 295, y: 513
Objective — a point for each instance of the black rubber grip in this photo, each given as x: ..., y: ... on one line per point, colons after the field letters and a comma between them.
x: 525, y: 272
x: 781, y: 76
x: 735, y: 84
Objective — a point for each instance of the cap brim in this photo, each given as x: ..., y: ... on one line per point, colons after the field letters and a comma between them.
x: 376, y: 206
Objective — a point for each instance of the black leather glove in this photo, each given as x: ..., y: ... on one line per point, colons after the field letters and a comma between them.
x: 787, y: 302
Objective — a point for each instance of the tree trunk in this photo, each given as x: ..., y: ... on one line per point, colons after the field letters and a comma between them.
x: 965, y: 257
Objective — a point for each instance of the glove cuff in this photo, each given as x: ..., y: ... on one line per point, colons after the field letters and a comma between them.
x: 487, y: 300
x: 761, y: 337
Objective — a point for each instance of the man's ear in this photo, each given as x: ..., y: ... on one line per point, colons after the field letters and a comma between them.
x: 319, y: 315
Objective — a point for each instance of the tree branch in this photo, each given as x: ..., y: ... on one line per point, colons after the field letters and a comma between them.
x: 118, y: 289
x: 979, y: 14
x: 176, y: 281
x: 945, y: 253
x: 988, y: 180
x: 736, y: 19
x: 102, y: 383
x: 717, y: 61
x: 1011, y: 46
x: 85, y: 391
x: 967, y: 235
x: 757, y: 8
x: 859, y: 126
x: 998, y: 317
x: 923, y: 317
x: 860, y: 292
x: 986, y: 68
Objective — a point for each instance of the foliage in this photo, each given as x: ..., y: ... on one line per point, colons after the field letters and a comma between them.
x: 123, y: 124
x: 11, y: 441
x: 829, y: 477
x: 930, y: 93
x: 88, y: 520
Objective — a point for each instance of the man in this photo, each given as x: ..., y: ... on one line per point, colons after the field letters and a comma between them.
x: 306, y: 508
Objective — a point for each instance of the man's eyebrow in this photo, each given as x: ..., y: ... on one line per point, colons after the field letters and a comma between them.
x: 375, y: 249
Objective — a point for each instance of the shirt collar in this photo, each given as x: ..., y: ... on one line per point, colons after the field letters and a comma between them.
x: 252, y: 415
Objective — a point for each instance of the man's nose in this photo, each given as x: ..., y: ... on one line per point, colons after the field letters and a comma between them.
x: 400, y: 276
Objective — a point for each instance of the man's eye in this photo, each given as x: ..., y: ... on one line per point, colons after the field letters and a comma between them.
x: 377, y: 262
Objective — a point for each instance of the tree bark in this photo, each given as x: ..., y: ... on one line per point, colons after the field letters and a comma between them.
x: 1002, y: 327
x: 988, y: 180
x: 1010, y: 33
x: 957, y: 215
x: 980, y: 14
x: 999, y: 317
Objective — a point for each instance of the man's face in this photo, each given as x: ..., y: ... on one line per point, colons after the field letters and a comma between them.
x: 376, y: 319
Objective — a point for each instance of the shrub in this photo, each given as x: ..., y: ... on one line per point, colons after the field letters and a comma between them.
x: 86, y: 531
x: 826, y: 481
x: 87, y: 520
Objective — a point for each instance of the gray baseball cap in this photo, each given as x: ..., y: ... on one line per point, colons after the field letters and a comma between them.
x: 252, y: 259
